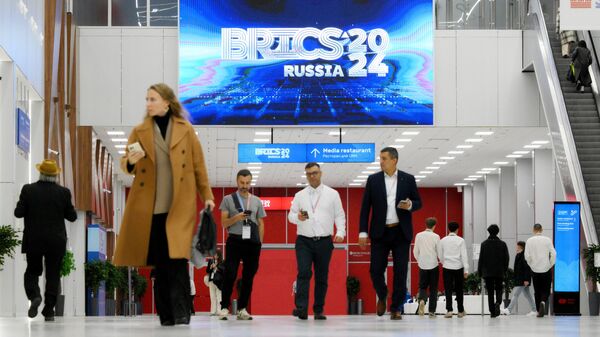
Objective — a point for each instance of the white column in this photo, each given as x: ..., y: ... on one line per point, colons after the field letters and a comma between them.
x: 543, y: 179
x: 508, y: 209
x: 479, y: 212
x: 525, y: 197
x: 74, y: 284
x: 492, y: 198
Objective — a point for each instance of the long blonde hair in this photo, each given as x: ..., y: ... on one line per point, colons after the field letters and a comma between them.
x: 168, y: 95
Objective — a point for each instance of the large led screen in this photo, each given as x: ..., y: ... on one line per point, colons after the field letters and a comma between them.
x: 307, y: 62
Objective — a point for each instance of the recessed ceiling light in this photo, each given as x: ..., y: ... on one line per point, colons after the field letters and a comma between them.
x: 542, y: 142
x: 403, y: 140
x: 115, y: 133
x: 500, y: 163
x: 473, y: 140
x: 464, y: 146
x: 482, y: 172
x: 359, y: 180
x: 116, y: 140
x: 375, y: 163
x: 484, y: 133
x: 470, y: 179
x: 120, y: 146
x: 368, y: 172
x: 460, y: 184
x: 261, y: 140
x: 254, y: 167
x: 474, y: 176
x: 373, y: 168
x: 263, y: 133
x: 303, y: 176
x: 420, y: 176
x: 121, y: 152
x: 255, y: 172
x: 301, y: 184
x: 514, y: 156
x: 355, y: 184
x: 254, y: 163
x: 456, y: 152
x: 410, y: 133
x: 417, y: 180
x: 439, y: 163
x: 488, y: 169
x: 537, y: 146
x: 432, y: 167
x: 425, y: 172
x: 252, y: 184
x: 520, y: 152
x: 447, y: 158
x: 397, y: 146
x: 336, y: 133
x: 362, y: 176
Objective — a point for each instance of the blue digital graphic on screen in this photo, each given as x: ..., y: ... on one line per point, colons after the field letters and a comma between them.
x: 566, y: 241
x: 307, y: 62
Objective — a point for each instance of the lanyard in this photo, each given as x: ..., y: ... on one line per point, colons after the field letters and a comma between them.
x: 242, y: 203
x: 315, y: 205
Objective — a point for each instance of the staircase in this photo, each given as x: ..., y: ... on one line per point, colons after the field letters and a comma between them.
x: 585, y: 125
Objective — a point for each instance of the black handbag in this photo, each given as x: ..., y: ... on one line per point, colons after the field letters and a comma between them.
x: 254, y: 237
x: 219, y: 275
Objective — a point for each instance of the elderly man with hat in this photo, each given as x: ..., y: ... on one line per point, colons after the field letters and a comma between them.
x: 44, y: 205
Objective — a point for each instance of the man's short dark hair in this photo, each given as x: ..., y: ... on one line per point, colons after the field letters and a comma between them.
x: 243, y: 173
x: 311, y: 164
x: 537, y: 227
x: 430, y: 222
x: 521, y: 244
x: 453, y: 226
x: 493, y: 229
x: 391, y: 150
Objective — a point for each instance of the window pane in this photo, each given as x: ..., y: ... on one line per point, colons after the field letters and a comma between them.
x: 129, y: 13
x: 91, y: 12
x: 163, y: 13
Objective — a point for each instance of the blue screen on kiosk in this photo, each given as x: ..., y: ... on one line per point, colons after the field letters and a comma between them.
x: 566, y: 241
x: 306, y: 62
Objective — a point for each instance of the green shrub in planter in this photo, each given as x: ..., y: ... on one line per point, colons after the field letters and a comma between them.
x: 115, y: 279
x: 68, y: 264
x: 95, y: 272
x: 9, y: 240
x: 592, y: 273
x: 473, y: 284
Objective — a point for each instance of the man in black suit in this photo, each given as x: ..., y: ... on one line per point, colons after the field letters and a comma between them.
x: 44, y: 205
x: 390, y: 197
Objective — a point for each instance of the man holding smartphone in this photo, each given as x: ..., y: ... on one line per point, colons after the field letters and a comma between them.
x: 314, y: 210
x: 242, y: 215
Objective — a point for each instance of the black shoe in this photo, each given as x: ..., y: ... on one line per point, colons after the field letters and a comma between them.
x: 497, y: 310
x: 542, y: 310
x: 320, y: 317
x: 33, y: 307
x: 49, y: 318
x: 300, y: 314
x: 167, y: 322
x: 182, y: 320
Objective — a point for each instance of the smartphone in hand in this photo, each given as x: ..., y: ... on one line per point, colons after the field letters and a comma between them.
x: 304, y: 214
x: 135, y: 147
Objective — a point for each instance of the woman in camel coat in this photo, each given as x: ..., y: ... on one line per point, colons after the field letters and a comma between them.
x: 160, y: 213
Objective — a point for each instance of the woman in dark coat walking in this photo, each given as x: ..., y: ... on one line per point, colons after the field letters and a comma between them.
x: 582, y: 59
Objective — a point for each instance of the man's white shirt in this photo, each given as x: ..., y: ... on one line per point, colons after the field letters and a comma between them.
x: 540, y: 253
x: 425, y: 249
x: 452, y: 252
x: 324, y: 208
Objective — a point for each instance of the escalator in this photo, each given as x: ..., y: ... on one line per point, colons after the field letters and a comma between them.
x: 573, y: 119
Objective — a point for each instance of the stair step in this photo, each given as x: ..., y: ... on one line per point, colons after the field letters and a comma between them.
x: 577, y: 101
x: 582, y: 107
x: 586, y: 132
x: 578, y: 95
x: 588, y: 164
x: 583, y: 113
x: 586, y: 138
x: 591, y: 170
x: 574, y: 120
x: 586, y: 151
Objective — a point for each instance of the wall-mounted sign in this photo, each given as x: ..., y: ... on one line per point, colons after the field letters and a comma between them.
x: 23, y: 131
x: 304, y: 153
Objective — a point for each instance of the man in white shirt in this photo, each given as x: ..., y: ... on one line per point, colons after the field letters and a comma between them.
x: 425, y: 252
x: 314, y: 210
x: 452, y: 252
x: 541, y: 256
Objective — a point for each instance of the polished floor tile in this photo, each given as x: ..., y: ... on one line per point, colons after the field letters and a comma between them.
x: 287, y: 326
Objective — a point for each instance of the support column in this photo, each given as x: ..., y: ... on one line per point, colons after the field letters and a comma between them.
x: 492, y: 198
x: 508, y: 209
x: 543, y: 179
x: 525, y: 197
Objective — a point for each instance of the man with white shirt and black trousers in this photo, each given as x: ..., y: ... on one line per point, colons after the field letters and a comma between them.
x: 452, y: 252
x: 425, y: 252
x: 314, y: 210
x: 541, y: 256
x: 389, y: 199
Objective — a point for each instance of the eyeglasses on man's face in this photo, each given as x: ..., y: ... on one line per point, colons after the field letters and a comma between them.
x: 313, y: 174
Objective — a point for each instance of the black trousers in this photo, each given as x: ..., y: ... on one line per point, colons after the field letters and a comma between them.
x: 49, y: 253
x: 454, y: 281
x: 428, y: 279
x: 392, y: 240
x: 541, y: 287
x: 172, y: 282
x: 493, y: 285
x: 311, y: 253
x: 248, y: 252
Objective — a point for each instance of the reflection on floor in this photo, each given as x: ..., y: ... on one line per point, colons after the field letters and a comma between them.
x: 287, y: 326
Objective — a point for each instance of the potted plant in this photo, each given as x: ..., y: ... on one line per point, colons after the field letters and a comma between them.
x: 352, y: 290
x: 9, y: 239
x: 592, y: 273
x: 95, y: 273
x: 114, y: 280
x: 473, y: 284
x: 508, y: 284
x: 140, y: 284
x: 66, y: 268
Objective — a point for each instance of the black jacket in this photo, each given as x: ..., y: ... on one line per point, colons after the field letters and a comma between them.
x: 522, y: 270
x: 207, y: 234
x: 45, y: 206
x: 375, y: 204
x: 493, y: 258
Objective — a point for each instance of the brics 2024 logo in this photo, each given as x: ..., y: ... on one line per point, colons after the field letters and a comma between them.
x: 365, y: 49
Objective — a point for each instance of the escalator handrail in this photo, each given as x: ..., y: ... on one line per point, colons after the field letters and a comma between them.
x: 563, y: 143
